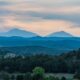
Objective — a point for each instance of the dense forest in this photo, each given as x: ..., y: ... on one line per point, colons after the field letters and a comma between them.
x: 36, y: 67
x: 64, y: 63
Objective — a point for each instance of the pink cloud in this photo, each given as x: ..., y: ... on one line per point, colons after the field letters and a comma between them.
x: 42, y: 27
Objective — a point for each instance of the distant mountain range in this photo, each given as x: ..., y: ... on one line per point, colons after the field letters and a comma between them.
x: 60, y: 34
x: 18, y: 32
x: 37, y: 45
x: 23, y: 33
x: 24, y: 42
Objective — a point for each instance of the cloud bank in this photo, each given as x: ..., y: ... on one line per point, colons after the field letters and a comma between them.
x: 42, y: 17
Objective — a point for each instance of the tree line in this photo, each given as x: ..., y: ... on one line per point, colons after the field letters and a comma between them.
x: 64, y: 63
x: 38, y: 73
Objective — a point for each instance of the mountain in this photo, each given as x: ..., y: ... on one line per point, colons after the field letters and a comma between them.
x: 60, y: 34
x: 18, y: 32
x: 52, y: 45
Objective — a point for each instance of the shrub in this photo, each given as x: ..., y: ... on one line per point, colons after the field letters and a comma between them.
x: 28, y: 76
x: 20, y: 77
x: 38, y: 73
x: 13, y: 77
x: 63, y: 78
x: 4, y: 76
x: 50, y: 78
x: 77, y: 76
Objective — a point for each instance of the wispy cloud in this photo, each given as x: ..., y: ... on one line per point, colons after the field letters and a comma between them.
x: 43, y: 16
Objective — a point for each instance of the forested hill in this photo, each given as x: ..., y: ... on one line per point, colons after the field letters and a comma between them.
x: 64, y: 63
x: 48, y: 45
x: 72, y: 55
x: 27, y: 50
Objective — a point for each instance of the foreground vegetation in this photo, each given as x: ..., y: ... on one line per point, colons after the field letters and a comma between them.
x: 23, y: 66
x: 38, y: 73
x: 65, y: 63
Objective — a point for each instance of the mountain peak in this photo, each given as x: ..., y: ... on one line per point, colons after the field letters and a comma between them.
x: 18, y: 32
x: 15, y: 29
x: 60, y: 34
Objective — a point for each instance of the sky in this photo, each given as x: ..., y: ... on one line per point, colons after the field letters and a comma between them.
x: 41, y: 16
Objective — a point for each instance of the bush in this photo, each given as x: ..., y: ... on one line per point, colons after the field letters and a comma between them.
x: 63, y: 78
x: 4, y: 76
x: 56, y: 78
x: 50, y: 78
x: 77, y: 76
x: 20, y: 77
x: 28, y: 76
x: 13, y: 77
x: 38, y: 73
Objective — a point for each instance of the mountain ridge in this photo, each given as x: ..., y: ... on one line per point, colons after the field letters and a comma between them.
x: 18, y: 32
x: 60, y: 34
x: 23, y: 33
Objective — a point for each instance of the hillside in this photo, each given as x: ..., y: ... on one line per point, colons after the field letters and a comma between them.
x: 27, y: 50
x: 64, y: 63
x: 39, y: 44
x: 18, y: 32
x: 60, y: 34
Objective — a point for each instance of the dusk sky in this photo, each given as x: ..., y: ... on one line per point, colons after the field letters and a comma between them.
x: 41, y: 16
